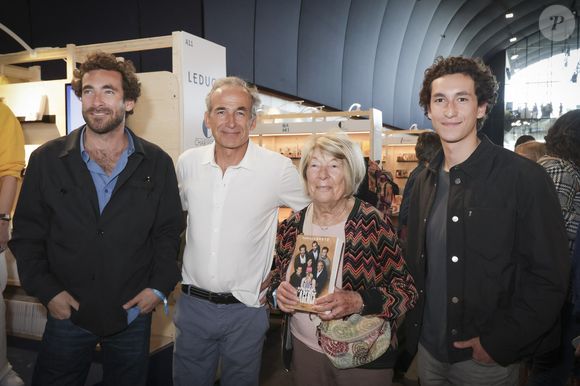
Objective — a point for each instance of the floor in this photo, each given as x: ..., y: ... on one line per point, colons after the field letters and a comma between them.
x: 22, y: 355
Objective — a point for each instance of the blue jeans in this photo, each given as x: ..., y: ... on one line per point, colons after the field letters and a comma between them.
x: 66, y: 353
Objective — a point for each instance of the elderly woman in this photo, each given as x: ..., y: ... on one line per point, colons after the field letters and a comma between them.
x: 373, y: 278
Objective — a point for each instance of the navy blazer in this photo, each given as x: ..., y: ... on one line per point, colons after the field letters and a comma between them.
x: 62, y: 242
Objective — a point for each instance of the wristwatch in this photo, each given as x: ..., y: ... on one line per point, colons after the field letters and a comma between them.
x: 5, y: 217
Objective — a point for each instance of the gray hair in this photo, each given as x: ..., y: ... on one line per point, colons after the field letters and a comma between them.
x: 235, y: 82
x: 337, y: 144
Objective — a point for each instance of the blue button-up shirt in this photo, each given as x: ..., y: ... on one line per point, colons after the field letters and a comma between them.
x: 104, y: 184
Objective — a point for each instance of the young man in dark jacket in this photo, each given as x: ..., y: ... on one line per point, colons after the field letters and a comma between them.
x: 96, y: 234
x: 487, y: 245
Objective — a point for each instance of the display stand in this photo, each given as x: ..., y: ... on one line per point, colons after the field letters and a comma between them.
x: 286, y: 133
x: 398, y: 153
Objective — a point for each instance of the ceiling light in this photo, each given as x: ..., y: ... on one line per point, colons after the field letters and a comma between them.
x: 509, y: 15
x: 513, y: 39
x: 514, y: 57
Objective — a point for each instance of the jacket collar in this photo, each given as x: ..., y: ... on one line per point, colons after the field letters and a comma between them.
x: 473, y: 164
x: 73, y: 143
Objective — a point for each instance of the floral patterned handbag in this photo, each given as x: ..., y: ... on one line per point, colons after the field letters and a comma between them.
x: 354, y: 341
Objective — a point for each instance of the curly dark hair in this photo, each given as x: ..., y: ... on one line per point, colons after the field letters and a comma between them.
x: 485, y: 83
x: 563, y: 139
x: 428, y: 144
x: 103, y: 61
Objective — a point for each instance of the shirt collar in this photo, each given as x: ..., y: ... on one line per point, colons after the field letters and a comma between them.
x: 248, y: 162
x: 85, y: 155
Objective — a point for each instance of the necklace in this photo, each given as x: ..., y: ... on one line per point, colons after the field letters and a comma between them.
x: 332, y: 220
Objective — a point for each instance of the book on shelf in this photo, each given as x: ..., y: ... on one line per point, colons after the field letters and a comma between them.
x: 313, y: 272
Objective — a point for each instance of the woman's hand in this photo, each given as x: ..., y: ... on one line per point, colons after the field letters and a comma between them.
x: 341, y: 303
x: 286, y: 297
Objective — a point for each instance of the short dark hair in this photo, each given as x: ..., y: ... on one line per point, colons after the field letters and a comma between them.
x: 103, y: 61
x: 523, y: 139
x: 428, y: 144
x: 302, y: 246
x: 485, y: 84
x: 563, y: 139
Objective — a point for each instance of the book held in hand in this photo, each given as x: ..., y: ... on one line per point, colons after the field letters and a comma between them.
x: 314, y: 268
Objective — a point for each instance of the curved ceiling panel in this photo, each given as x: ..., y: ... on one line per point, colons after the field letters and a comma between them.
x: 414, y: 36
x: 321, y: 50
x: 332, y: 52
x: 231, y: 24
x: 498, y: 30
x: 360, y: 49
x: 395, y: 21
x: 468, y: 11
x: 429, y: 50
x: 276, y: 44
x: 526, y: 24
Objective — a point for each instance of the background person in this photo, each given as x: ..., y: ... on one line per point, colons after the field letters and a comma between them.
x: 562, y: 163
x: 373, y: 278
x: 532, y: 150
x: 523, y: 139
x: 428, y: 144
x: 11, y: 166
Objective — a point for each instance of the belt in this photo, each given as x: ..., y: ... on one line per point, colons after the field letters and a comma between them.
x: 214, y: 297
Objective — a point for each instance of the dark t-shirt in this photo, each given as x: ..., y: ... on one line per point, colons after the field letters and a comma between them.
x: 433, y: 333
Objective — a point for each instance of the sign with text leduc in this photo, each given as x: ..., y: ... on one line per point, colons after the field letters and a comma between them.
x: 202, y: 62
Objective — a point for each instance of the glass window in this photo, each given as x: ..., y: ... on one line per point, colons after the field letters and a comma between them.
x: 541, y: 84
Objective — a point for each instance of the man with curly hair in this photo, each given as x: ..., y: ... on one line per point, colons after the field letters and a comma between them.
x: 487, y: 245
x: 96, y: 234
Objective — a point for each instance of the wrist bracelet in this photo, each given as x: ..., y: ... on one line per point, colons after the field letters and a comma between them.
x: 161, y: 296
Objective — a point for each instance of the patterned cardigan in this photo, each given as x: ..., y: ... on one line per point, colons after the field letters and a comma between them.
x: 372, y: 261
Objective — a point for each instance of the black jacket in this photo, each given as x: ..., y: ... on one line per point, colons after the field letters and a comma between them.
x: 62, y: 242
x: 512, y: 270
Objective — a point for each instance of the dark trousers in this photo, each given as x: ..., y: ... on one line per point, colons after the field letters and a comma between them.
x: 554, y: 368
x: 66, y: 354
x: 206, y: 333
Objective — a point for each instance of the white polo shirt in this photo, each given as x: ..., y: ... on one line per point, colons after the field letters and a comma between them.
x: 232, y: 219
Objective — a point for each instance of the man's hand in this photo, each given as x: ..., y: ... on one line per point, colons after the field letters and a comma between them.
x: 60, y: 305
x: 479, y: 353
x: 146, y: 300
x: 263, y: 288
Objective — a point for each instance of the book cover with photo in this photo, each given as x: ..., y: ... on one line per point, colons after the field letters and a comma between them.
x: 313, y: 268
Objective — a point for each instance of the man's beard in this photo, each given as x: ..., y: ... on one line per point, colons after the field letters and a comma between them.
x: 103, y: 124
